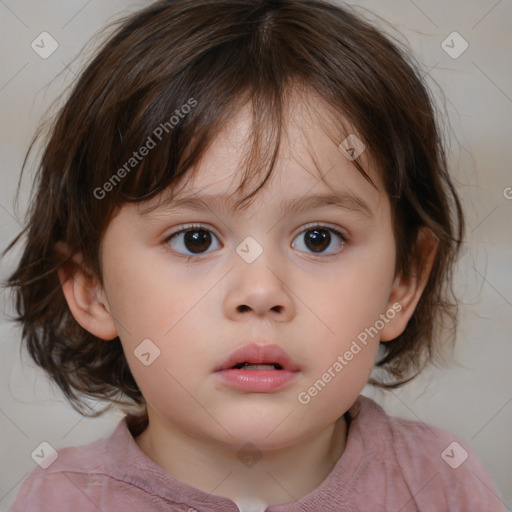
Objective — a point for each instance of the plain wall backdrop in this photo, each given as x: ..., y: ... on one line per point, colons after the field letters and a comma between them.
x: 472, y: 398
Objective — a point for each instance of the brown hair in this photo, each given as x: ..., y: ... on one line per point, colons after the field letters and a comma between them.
x: 219, y: 54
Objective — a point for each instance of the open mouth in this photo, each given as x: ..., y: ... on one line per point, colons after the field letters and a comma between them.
x: 258, y: 357
x: 257, y: 366
x: 258, y: 369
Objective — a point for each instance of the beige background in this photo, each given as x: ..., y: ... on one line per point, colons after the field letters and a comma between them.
x: 473, y: 399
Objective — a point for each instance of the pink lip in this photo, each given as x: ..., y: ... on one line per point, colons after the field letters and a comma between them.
x: 258, y: 381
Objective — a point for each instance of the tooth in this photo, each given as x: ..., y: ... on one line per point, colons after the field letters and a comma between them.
x: 258, y: 367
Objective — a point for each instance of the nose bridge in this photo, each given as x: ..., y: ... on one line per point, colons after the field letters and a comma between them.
x: 258, y: 281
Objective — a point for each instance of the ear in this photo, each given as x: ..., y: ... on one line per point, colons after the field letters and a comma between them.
x: 85, y: 296
x: 407, y: 289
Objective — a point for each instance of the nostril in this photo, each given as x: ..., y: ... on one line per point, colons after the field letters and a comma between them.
x: 243, y: 308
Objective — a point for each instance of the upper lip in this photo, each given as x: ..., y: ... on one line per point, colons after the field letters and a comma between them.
x: 259, y: 354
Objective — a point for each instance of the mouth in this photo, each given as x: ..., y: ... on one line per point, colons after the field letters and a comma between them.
x: 259, y: 357
x: 257, y: 369
x: 255, y: 366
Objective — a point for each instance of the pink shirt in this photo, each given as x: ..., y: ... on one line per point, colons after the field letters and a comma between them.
x: 389, y: 464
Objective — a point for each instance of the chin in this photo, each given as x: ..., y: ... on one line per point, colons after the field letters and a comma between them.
x: 266, y: 433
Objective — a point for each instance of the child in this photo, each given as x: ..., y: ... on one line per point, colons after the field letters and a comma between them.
x: 298, y: 148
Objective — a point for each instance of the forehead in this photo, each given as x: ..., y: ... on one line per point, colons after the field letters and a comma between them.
x: 309, y: 162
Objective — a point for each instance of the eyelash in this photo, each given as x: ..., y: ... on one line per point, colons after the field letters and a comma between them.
x: 307, y: 227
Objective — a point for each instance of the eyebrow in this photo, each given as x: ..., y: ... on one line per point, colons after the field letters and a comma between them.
x: 344, y: 200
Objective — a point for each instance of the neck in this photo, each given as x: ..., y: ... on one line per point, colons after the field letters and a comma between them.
x: 262, y: 479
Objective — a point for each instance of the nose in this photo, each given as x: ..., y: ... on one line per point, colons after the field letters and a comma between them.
x: 255, y: 289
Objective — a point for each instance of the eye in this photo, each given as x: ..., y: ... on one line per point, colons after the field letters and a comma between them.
x: 318, y: 238
x: 194, y: 238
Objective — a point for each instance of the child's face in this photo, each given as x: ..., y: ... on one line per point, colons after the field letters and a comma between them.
x: 311, y: 305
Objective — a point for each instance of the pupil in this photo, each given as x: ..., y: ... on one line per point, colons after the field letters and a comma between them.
x: 197, y: 240
x: 319, y: 239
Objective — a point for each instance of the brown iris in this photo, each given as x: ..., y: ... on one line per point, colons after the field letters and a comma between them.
x: 197, y: 240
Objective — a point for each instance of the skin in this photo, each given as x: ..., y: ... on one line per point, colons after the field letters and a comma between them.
x: 190, y: 310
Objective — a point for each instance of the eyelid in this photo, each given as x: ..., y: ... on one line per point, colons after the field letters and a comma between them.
x: 319, y: 224
x: 191, y: 226
x: 305, y: 227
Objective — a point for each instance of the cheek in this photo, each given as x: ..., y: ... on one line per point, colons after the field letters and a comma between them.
x: 170, y: 373
x: 355, y: 298
x: 146, y: 295
x: 348, y: 313
x: 172, y: 322
x: 336, y: 383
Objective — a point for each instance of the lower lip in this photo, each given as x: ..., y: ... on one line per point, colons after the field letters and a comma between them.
x: 256, y: 381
